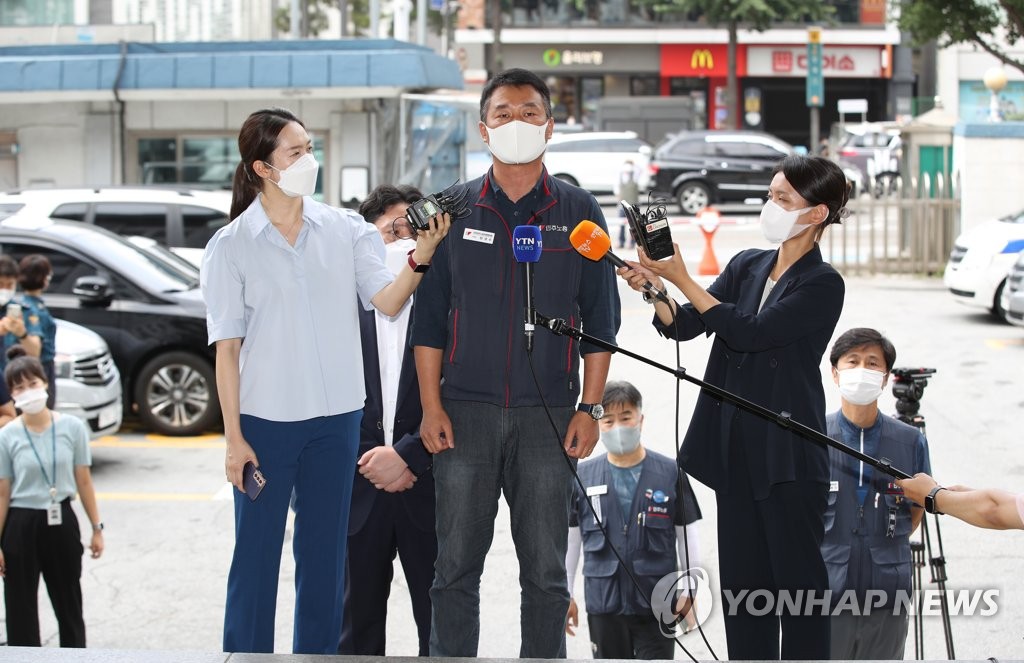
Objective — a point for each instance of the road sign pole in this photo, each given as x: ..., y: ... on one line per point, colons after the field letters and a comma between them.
x: 815, y: 85
x: 815, y: 130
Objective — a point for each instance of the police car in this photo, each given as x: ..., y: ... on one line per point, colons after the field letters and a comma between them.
x: 980, y: 260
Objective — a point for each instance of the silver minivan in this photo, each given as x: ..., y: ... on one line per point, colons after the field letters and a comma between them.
x: 88, y: 382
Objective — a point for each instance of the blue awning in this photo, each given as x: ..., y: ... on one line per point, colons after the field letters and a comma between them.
x: 313, y: 64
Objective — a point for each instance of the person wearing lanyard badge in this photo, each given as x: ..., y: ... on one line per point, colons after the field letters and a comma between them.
x: 44, y: 461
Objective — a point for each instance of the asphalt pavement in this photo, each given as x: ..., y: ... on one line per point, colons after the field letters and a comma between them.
x: 160, y: 584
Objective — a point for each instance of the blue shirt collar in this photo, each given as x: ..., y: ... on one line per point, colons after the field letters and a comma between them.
x: 257, y: 220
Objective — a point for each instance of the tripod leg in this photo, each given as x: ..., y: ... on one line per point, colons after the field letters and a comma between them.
x: 917, y: 563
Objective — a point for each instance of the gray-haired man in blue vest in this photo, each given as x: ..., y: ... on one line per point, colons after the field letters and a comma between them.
x: 869, y: 521
x: 649, y: 511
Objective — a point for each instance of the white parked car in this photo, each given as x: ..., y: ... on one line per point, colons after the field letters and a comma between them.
x: 181, y: 218
x: 593, y: 160
x: 1012, y: 301
x: 980, y: 259
x: 88, y: 382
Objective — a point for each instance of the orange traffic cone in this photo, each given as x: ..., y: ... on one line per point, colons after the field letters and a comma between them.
x: 708, y: 220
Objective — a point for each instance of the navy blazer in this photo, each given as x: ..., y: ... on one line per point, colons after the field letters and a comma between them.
x: 418, y: 500
x: 772, y: 358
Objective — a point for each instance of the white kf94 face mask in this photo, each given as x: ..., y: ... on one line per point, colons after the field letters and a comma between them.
x: 31, y: 401
x: 517, y: 142
x: 861, y: 386
x: 299, y: 179
x: 779, y: 224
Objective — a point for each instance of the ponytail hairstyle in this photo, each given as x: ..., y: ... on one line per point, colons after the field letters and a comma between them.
x: 21, y: 367
x: 257, y: 140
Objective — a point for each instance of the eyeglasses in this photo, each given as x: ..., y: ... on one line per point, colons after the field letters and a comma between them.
x: 401, y: 228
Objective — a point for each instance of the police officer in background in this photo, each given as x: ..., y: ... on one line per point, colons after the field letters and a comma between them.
x: 869, y: 521
x: 634, y: 493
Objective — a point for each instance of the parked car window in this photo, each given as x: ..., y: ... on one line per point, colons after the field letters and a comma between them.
x: 143, y: 219
x: 7, y: 209
x: 732, y: 149
x: 762, y: 151
x: 628, y: 145
x: 66, y: 268
x: 200, y: 223
x: 70, y: 211
x: 148, y: 270
x: 690, y: 148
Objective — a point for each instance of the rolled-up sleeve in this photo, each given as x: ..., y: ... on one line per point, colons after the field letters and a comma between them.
x: 223, y: 291
x: 372, y: 275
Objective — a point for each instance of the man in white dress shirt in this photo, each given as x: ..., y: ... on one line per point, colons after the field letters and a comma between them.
x: 393, y: 494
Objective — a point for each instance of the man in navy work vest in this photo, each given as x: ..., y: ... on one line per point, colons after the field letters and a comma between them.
x: 644, y: 502
x: 869, y: 521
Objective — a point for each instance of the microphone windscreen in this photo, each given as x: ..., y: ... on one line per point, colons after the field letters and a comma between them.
x: 589, y: 240
x: 527, y: 243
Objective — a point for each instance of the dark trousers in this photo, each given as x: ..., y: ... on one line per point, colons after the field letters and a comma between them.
x: 371, y: 555
x: 629, y: 636
x: 51, y: 383
x: 772, y: 544
x: 317, y: 458
x: 33, y: 548
x: 512, y: 451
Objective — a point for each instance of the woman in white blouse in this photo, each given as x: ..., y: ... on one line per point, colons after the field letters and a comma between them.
x: 281, y: 284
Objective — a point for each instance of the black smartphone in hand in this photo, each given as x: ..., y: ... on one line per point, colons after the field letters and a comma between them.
x: 252, y: 480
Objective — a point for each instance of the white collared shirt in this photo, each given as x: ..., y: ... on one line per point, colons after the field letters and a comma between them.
x: 391, y: 338
x: 294, y: 308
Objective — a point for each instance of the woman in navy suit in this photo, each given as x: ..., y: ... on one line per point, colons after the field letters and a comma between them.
x: 773, y: 313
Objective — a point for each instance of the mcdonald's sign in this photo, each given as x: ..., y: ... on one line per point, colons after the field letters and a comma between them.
x: 710, y: 60
x: 702, y: 58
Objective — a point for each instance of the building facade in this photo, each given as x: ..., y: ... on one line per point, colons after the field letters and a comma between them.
x: 589, y: 49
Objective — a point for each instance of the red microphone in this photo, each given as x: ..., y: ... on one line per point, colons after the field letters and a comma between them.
x: 593, y: 243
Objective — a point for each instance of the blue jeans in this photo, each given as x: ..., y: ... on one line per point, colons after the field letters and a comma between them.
x: 516, y: 451
x: 317, y: 457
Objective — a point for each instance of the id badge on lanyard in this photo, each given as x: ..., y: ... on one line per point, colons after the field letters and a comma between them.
x: 53, y: 512
x: 54, y: 516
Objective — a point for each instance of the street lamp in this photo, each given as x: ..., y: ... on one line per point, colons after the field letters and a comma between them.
x: 995, y: 81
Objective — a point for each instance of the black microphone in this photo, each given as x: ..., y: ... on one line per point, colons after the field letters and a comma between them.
x: 591, y: 242
x: 527, y: 245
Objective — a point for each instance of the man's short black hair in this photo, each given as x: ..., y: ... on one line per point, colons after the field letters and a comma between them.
x: 622, y: 393
x: 859, y: 337
x: 514, y: 78
x: 34, y: 268
x: 8, y: 267
x: 386, y: 195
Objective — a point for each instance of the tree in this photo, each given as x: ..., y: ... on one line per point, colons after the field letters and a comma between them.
x: 984, y: 23
x: 753, y: 14
x: 316, y: 16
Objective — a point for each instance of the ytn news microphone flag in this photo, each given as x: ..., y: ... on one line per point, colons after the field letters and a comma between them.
x: 527, y: 246
x: 527, y: 243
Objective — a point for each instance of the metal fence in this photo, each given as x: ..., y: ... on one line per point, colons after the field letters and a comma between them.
x: 897, y: 227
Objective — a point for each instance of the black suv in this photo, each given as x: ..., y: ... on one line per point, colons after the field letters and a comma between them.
x: 150, y: 312
x: 700, y: 168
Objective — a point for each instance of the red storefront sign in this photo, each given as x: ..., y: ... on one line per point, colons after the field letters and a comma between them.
x: 700, y: 60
